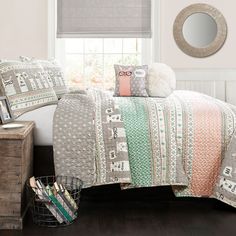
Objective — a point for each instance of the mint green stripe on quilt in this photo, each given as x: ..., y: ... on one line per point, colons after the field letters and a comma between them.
x: 136, y: 123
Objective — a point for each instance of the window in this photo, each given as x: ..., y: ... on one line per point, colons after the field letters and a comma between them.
x: 90, y: 62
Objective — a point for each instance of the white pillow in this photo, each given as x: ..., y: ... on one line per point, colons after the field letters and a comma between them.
x: 161, y: 80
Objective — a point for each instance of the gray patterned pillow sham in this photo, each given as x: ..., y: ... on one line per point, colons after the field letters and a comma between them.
x: 26, y: 86
x: 53, y: 72
x: 131, y: 81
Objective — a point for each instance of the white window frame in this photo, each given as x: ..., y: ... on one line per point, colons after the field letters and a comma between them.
x: 150, y: 47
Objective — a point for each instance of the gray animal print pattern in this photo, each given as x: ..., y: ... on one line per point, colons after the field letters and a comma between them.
x: 225, y: 189
x: 53, y: 72
x: 89, y: 139
x: 26, y: 86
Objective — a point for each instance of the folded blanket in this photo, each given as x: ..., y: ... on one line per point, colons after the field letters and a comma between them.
x: 89, y: 139
x: 142, y: 142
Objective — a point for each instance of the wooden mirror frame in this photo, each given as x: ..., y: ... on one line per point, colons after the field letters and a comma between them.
x: 215, y: 45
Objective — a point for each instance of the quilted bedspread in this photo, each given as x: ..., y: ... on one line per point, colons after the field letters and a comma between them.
x: 186, y: 141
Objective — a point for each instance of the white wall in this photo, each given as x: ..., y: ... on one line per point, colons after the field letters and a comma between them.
x: 172, y: 55
x: 24, y: 31
x: 214, y: 75
x: 23, y: 28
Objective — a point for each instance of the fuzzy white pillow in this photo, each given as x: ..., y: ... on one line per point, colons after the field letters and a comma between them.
x: 161, y: 80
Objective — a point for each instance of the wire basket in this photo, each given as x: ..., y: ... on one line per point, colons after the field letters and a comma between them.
x: 41, y: 214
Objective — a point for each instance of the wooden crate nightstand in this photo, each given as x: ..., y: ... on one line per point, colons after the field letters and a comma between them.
x: 16, y: 162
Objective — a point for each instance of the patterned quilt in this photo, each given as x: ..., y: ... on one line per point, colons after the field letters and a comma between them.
x: 181, y: 141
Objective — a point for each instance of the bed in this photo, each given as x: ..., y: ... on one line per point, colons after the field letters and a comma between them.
x: 43, y: 118
x: 184, y: 141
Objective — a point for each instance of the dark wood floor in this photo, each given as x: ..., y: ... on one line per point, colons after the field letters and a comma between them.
x: 142, y: 212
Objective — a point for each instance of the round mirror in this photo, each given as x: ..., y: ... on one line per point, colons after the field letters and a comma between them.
x: 199, y: 30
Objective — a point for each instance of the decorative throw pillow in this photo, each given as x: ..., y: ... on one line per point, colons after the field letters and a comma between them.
x: 26, y: 86
x: 53, y: 72
x: 131, y: 81
x: 161, y: 80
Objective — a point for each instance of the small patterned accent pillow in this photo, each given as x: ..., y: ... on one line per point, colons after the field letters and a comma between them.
x: 131, y: 81
x: 53, y: 72
x: 26, y: 86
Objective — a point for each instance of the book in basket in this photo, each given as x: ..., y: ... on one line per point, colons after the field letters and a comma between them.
x: 68, y: 197
x: 49, y: 195
x: 64, y: 202
x: 57, y: 199
x: 54, y: 199
x: 43, y: 196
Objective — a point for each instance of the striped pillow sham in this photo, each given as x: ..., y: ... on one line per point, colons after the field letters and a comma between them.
x: 54, y: 73
x: 25, y: 86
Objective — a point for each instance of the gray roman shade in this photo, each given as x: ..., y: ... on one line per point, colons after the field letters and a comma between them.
x: 104, y: 18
